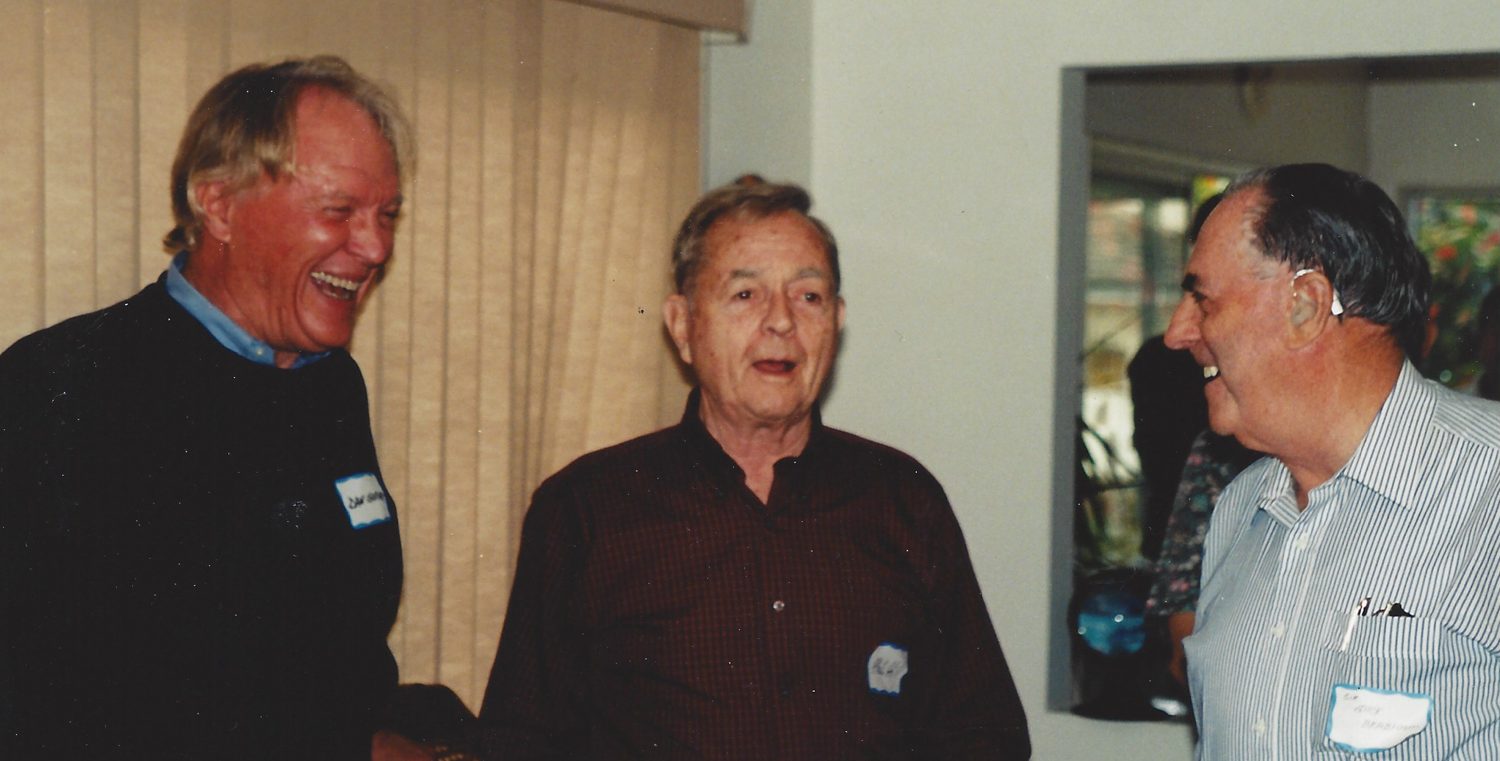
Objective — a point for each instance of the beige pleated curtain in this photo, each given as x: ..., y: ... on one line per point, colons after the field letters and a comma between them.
x: 518, y: 326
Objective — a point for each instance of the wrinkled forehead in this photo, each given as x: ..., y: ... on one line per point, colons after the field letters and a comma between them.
x: 785, y: 237
x: 336, y: 129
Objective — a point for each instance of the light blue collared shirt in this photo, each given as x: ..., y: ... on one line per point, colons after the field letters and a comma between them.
x: 230, y: 335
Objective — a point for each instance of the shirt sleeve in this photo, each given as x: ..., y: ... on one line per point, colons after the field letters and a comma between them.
x: 971, y: 708
x: 532, y: 705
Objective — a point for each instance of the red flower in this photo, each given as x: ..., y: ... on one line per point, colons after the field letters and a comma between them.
x: 1445, y: 253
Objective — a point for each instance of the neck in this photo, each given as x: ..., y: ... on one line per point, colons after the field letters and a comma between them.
x: 1342, y: 392
x: 757, y: 447
x: 205, y: 270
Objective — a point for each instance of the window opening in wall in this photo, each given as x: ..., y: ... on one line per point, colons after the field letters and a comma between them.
x: 1137, y: 243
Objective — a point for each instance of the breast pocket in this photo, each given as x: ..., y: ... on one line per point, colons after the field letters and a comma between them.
x: 1382, y: 689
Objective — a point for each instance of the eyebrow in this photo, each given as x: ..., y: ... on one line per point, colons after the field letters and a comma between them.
x: 341, y: 196
x: 802, y: 274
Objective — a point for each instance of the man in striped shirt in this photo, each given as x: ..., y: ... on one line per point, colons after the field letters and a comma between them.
x: 1351, y: 589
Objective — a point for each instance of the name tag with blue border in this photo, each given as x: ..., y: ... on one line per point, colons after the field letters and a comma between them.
x: 364, y: 500
x: 1365, y: 720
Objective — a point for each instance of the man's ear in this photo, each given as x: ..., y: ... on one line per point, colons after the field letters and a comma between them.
x: 674, y: 312
x: 1311, y: 308
x: 216, y: 201
x: 840, y: 308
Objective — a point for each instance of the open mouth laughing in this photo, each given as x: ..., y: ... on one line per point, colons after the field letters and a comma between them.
x: 337, y: 287
x: 1210, y: 372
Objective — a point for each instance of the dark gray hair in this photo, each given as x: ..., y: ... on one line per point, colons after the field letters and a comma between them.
x: 747, y: 199
x: 1325, y: 218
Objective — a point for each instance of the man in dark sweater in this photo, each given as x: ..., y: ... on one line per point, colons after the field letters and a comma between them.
x: 749, y: 584
x: 198, y: 556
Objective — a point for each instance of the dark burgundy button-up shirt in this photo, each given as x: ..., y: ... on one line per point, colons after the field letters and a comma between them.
x: 661, y: 611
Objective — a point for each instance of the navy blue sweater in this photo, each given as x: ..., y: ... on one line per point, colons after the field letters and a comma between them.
x: 179, y: 573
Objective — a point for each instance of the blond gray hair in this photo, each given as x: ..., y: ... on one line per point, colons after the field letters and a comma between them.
x: 244, y: 127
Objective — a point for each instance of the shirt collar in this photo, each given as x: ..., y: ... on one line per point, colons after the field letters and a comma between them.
x: 697, y: 437
x: 1392, y: 458
x: 229, y: 334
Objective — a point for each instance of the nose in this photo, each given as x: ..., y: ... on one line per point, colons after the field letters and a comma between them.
x: 779, y: 319
x: 371, y: 239
x: 1182, y: 331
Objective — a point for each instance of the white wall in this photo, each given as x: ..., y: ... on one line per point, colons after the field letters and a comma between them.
x: 935, y: 153
x: 1443, y: 135
x: 758, y: 109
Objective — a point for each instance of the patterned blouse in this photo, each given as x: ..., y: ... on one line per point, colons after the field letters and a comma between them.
x: 1212, y: 462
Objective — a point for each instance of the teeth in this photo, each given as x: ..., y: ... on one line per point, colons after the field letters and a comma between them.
x: 1210, y: 372
x: 337, y: 282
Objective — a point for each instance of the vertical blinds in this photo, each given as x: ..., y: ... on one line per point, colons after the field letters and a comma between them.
x: 518, y: 325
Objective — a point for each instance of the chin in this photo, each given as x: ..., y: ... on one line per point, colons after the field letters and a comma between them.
x: 780, y: 414
x: 1219, y: 425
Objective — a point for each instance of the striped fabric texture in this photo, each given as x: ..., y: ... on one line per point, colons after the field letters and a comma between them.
x: 1297, y: 603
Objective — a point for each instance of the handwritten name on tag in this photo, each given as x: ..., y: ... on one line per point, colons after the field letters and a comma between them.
x: 364, y: 499
x: 1364, y: 719
x: 886, y: 667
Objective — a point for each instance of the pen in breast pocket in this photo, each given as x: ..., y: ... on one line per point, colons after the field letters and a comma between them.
x: 1360, y: 608
x: 1393, y: 610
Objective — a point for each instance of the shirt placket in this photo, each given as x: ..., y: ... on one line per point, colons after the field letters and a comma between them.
x: 787, y: 600
x: 1288, y: 628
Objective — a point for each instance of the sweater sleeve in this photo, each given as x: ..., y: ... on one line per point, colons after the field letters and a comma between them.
x: 26, y: 648
x: 13, y: 560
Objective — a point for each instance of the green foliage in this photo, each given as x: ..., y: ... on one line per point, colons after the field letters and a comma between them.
x: 1461, y: 238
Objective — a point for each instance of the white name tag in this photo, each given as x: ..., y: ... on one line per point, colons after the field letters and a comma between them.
x: 886, y: 667
x: 1367, y: 720
x: 364, y: 499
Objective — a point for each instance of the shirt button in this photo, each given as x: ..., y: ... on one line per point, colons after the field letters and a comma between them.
x: 1260, y: 727
x: 1278, y: 630
x: 778, y: 606
x: 1301, y: 542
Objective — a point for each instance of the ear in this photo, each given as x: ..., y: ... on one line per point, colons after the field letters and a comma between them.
x: 840, y: 314
x: 1311, y: 308
x: 215, y: 202
x: 674, y: 313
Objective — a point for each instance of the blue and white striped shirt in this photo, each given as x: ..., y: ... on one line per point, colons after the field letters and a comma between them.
x: 1413, y: 518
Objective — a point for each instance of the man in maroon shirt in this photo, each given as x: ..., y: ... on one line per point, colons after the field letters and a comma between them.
x: 749, y: 584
